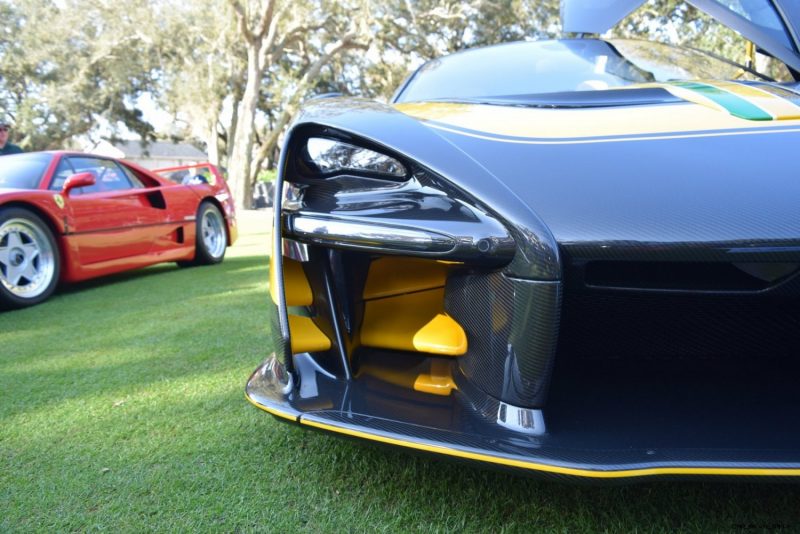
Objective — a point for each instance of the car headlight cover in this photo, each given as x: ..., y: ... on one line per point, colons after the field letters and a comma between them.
x: 331, y: 156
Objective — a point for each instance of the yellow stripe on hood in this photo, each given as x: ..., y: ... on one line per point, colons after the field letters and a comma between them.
x: 779, y: 108
x: 571, y: 123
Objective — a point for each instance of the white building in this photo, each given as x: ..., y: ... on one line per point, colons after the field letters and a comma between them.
x: 155, y: 155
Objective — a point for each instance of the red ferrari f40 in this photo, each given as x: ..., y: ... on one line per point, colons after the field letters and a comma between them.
x: 67, y: 217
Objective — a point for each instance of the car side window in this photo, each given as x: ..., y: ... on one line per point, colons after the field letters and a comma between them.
x: 107, y: 174
x: 137, y: 183
x: 63, y: 171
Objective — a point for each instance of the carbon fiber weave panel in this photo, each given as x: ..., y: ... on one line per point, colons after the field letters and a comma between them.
x: 512, y: 328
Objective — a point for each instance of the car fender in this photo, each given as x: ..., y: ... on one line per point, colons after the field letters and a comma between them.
x: 380, y: 124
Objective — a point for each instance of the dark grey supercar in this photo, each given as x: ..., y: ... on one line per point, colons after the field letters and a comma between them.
x: 599, y: 277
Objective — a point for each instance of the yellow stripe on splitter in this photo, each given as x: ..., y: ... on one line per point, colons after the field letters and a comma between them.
x: 625, y: 473
x: 271, y: 411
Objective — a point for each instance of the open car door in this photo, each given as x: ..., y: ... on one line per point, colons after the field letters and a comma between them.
x: 773, y: 25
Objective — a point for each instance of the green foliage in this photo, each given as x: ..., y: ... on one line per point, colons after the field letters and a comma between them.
x: 678, y: 23
x: 268, y: 175
x: 405, y: 34
x: 68, y: 65
x: 675, y: 22
x: 203, y: 66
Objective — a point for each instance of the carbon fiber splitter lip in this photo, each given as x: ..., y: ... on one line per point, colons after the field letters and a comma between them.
x: 457, y: 427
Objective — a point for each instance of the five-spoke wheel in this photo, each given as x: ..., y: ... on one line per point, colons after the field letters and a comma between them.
x: 29, y: 259
x: 212, y: 237
x: 212, y: 228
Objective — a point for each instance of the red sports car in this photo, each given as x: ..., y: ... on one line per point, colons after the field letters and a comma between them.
x: 68, y: 217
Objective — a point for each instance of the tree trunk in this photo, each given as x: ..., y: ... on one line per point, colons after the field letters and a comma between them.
x: 212, y: 142
x: 236, y: 99
x: 241, y: 159
x: 262, y: 43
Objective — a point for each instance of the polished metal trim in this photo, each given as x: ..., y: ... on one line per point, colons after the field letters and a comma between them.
x: 295, y: 250
x: 369, y: 235
x: 524, y: 420
x: 291, y: 196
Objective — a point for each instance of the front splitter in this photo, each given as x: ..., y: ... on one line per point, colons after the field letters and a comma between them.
x: 464, y: 427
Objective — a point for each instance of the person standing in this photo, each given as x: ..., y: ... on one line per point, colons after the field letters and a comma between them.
x: 6, y: 147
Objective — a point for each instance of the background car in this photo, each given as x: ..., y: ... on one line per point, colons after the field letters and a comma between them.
x: 578, y: 257
x: 70, y: 216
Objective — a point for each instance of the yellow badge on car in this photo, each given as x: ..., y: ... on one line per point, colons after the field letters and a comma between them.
x: 59, y: 200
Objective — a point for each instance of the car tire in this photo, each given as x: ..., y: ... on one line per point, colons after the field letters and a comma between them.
x: 211, y: 238
x: 30, y: 263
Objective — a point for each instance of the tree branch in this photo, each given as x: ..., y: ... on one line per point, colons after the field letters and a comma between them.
x: 271, y: 138
x: 272, y: 34
x: 266, y: 20
x: 298, y: 31
x: 241, y: 17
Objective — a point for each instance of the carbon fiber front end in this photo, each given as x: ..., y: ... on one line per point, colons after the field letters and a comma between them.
x: 436, y: 311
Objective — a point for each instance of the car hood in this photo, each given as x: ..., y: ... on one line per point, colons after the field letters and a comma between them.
x: 605, y: 179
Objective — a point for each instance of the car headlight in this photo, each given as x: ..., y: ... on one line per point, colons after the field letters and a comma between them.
x: 331, y: 156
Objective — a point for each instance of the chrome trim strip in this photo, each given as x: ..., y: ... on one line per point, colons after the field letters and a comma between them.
x: 524, y: 420
x: 368, y: 235
x: 295, y: 250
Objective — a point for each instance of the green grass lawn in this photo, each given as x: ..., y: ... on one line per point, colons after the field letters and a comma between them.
x: 122, y: 408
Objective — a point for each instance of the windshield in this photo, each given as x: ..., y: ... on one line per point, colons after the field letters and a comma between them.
x: 23, y: 171
x: 563, y: 66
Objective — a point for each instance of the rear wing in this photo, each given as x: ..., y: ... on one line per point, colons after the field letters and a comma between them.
x: 198, y: 173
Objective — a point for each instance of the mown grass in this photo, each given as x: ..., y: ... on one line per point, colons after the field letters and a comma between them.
x: 122, y: 409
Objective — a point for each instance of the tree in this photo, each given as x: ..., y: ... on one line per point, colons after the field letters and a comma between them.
x: 202, y: 72
x: 237, y: 77
x: 271, y: 31
x: 278, y: 54
x: 410, y: 32
x: 678, y: 23
x: 67, y: 66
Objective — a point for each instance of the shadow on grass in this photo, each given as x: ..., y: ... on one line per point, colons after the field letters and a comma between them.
x: 161, y: 269
x: 195, y: 280
x: 121, y: 337
x: 136, y: 274
x: 218, y: 453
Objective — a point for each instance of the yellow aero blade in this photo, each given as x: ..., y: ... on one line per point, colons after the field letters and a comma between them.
x: 306, y: 336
